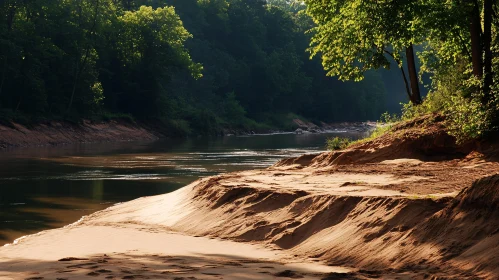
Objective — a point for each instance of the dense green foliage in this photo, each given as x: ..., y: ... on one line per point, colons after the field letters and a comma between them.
x: 459, y: 50
x: 199, y: 65
x: 337, y: 143
x: 356, y: 36
x: 68, y: 57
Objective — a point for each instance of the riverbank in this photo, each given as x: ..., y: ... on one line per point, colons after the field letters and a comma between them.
x: 410, y: 204
x: 54, y: 133
x: 62, y: 132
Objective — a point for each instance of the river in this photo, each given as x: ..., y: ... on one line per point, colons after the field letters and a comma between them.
x: 49, y: 187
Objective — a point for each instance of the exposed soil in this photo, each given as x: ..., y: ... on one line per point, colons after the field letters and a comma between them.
x: 57, y: 133
x: 410, y: 205
x: 53, y: 133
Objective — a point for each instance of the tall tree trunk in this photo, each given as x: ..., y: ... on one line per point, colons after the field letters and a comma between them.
x: 406, y: 83
x: 476, y: 45
x: 413, y: 75
x: 487, y: 41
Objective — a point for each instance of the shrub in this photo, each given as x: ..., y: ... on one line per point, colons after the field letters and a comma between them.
x: 387, y: 118
x: 461, y: 102
x: 337, y: 143
x: 467, y: 119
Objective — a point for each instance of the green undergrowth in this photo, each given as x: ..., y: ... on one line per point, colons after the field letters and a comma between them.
x: 461, y: 100
x: 466, y: 118
x: 384, y: 125
x: 337, y: 143
x: 379, y: 131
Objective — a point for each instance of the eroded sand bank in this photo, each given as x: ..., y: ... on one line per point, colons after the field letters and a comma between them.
x: 363, y: 213
x: 366, y: 222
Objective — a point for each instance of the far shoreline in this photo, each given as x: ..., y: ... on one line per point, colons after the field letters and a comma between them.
x: 59, y: 133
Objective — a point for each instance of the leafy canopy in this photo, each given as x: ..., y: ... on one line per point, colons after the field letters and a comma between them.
x: 354, y: 36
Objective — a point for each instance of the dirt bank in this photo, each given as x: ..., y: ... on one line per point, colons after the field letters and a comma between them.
x: 53, y: 133
x: 380, y: 212
x: 59, y: 132
x: 373, y: 219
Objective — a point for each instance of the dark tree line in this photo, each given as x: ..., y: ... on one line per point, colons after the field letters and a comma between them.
x: 197, y: 64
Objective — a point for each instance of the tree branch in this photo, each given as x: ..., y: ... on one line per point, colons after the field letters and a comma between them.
x: 408, y: 91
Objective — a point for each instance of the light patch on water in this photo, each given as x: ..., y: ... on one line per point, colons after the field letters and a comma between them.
x: 190, y: 164
x: 191, y: 168
x: 127, y: 177
x: 96, y: 177
x: 146, y: 158
x: 264, y: 164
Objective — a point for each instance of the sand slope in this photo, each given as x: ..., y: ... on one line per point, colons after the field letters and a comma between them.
x: 378, y: 222
x: 372, y: 214
x: 344, y: 219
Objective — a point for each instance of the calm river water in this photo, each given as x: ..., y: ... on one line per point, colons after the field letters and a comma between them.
x: 43, y: 188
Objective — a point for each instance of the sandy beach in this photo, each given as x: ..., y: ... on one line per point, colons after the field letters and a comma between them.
x: 311, y: 217
x: 134, y: 252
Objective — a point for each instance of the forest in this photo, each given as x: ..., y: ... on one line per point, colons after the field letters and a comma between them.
x: 202, y: 65
x: 197, y: 66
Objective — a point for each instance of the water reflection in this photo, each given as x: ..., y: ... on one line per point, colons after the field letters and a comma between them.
x: 48, y: 187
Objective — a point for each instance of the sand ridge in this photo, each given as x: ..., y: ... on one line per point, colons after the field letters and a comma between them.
x: 368, y: 216
x: 408, y: 205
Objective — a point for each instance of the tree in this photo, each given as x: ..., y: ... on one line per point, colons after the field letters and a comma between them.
x: 470, y: 25
x: 149, y: 48
x: 353, y: 37
x: 488, y: 6
x: 87, y: 16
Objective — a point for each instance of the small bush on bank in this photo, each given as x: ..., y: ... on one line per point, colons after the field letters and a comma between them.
x: 380, y: 130
x: 384, y: 124
x: 466, y: 117
x: 337, y: 143
x: 460, y: 98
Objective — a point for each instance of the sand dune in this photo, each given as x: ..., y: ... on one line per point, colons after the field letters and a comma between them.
x: 374, y: 220
x: 312, y: 217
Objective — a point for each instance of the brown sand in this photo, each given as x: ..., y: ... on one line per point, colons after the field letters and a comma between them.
x: 371, y: 217
x: 365, y: 212
x: 138, y: 252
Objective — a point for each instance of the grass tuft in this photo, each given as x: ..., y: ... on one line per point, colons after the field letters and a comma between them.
x: 337, y: 143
